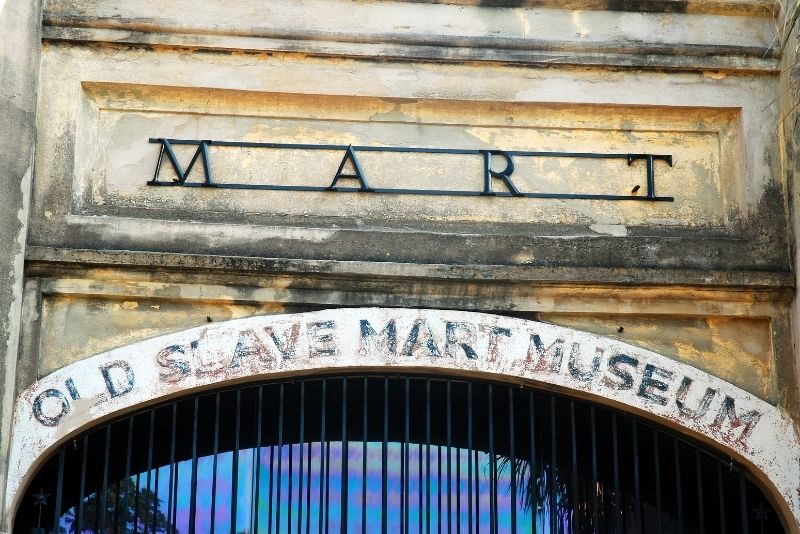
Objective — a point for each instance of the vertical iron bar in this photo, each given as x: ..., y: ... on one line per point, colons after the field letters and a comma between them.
x: 595, y: 504
x: 115, y: 522
x: 280, y: 461
x: 257, y: 492
x: 449, y: 458
x: 253, y: 477
x: 636, y: 489
x: 323, y: 480
x: 616, y: 503
x: 439, y: 488
x: 154, y: 488
x: 533, y: 485
x: 235, y: 470
x: 171, y: 496
x: 79, y: 519
x: 364, y: 464
x: 327, y: 483
x: 678, y: 486
x: 573, y: 430
x: 175, y: 462
x: 308, y: 487
x: 403, y: 492
x: 553, y: 484
x: 345, y: 450
x: 385, y: 459
x: 214, y: 464
x: 128, y: 453
x: 492, y: 467
x: 271, y: 486
x: 308, y: 479
x: 477, y: 493
x: 458, y: 482
x: 469, y: 455
x: 406, y: 459
x: 420, y: 491
x: 290, y: 489
x: 428, y: 455
x: 301, y: 465
x: 657, y: 462
x: 59, y: 485
x: 156, y: 501
x: 700, y: 491
x: 743, y: 501
x: 136, y: 506
x: 101, y: 524
x: 115, y: 526
x: 193, y: 491
x: 513, y: 464
x: 721, y: 488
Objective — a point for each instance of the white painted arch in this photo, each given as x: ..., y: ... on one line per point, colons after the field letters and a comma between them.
x: 80, y: 395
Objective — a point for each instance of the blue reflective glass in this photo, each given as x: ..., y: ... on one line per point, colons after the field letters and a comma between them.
x: 391, y: 454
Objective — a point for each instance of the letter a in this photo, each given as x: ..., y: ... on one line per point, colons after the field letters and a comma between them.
x: 358, y: 175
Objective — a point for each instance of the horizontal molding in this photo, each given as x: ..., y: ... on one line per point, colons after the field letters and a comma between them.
x: 545, y: 55
x: 725, y: 7
x: 40, y: 260
x: 706, y: 40
x: 544, y: 298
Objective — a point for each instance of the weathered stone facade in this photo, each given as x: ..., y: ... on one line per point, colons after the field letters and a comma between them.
x: 97, y: 260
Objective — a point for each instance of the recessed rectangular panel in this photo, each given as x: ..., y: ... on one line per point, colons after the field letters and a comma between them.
x: 551, y: 147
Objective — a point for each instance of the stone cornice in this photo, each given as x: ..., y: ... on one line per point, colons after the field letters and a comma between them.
x: 43, y: 259
x: 724, y: 7
x: 716, y: 37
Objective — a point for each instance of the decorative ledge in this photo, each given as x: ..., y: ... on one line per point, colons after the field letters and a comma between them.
x: 701, y: 38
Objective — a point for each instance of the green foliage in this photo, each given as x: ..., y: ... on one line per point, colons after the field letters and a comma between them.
x: 127, y: 508
x: 534, y: 490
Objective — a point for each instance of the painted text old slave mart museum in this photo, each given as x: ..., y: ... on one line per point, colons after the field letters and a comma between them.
x: 399, y: 266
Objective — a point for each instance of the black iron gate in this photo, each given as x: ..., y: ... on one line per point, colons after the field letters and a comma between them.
x: 383, y: 453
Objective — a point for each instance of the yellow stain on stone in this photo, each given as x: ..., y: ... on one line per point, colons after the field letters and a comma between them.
x: 714, y: 75
x: 736, y: 349
x: 77, y: 327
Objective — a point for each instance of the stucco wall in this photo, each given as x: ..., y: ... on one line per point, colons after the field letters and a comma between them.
x: 693, y: 83
x: 19, y: 59
x: 706, y: 280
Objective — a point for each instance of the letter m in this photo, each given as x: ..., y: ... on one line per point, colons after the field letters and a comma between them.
x: 747, y: 421
x: 181, y: 175
x: 383, y: 342
x: 548, y: 359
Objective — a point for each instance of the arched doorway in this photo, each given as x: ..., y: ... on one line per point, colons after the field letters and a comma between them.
x: 389, y: 453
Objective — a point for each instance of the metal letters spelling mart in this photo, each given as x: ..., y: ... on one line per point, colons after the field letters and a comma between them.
x: 490, y: 174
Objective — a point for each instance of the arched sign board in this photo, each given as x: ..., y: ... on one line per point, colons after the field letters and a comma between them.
x: 73, y: 398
